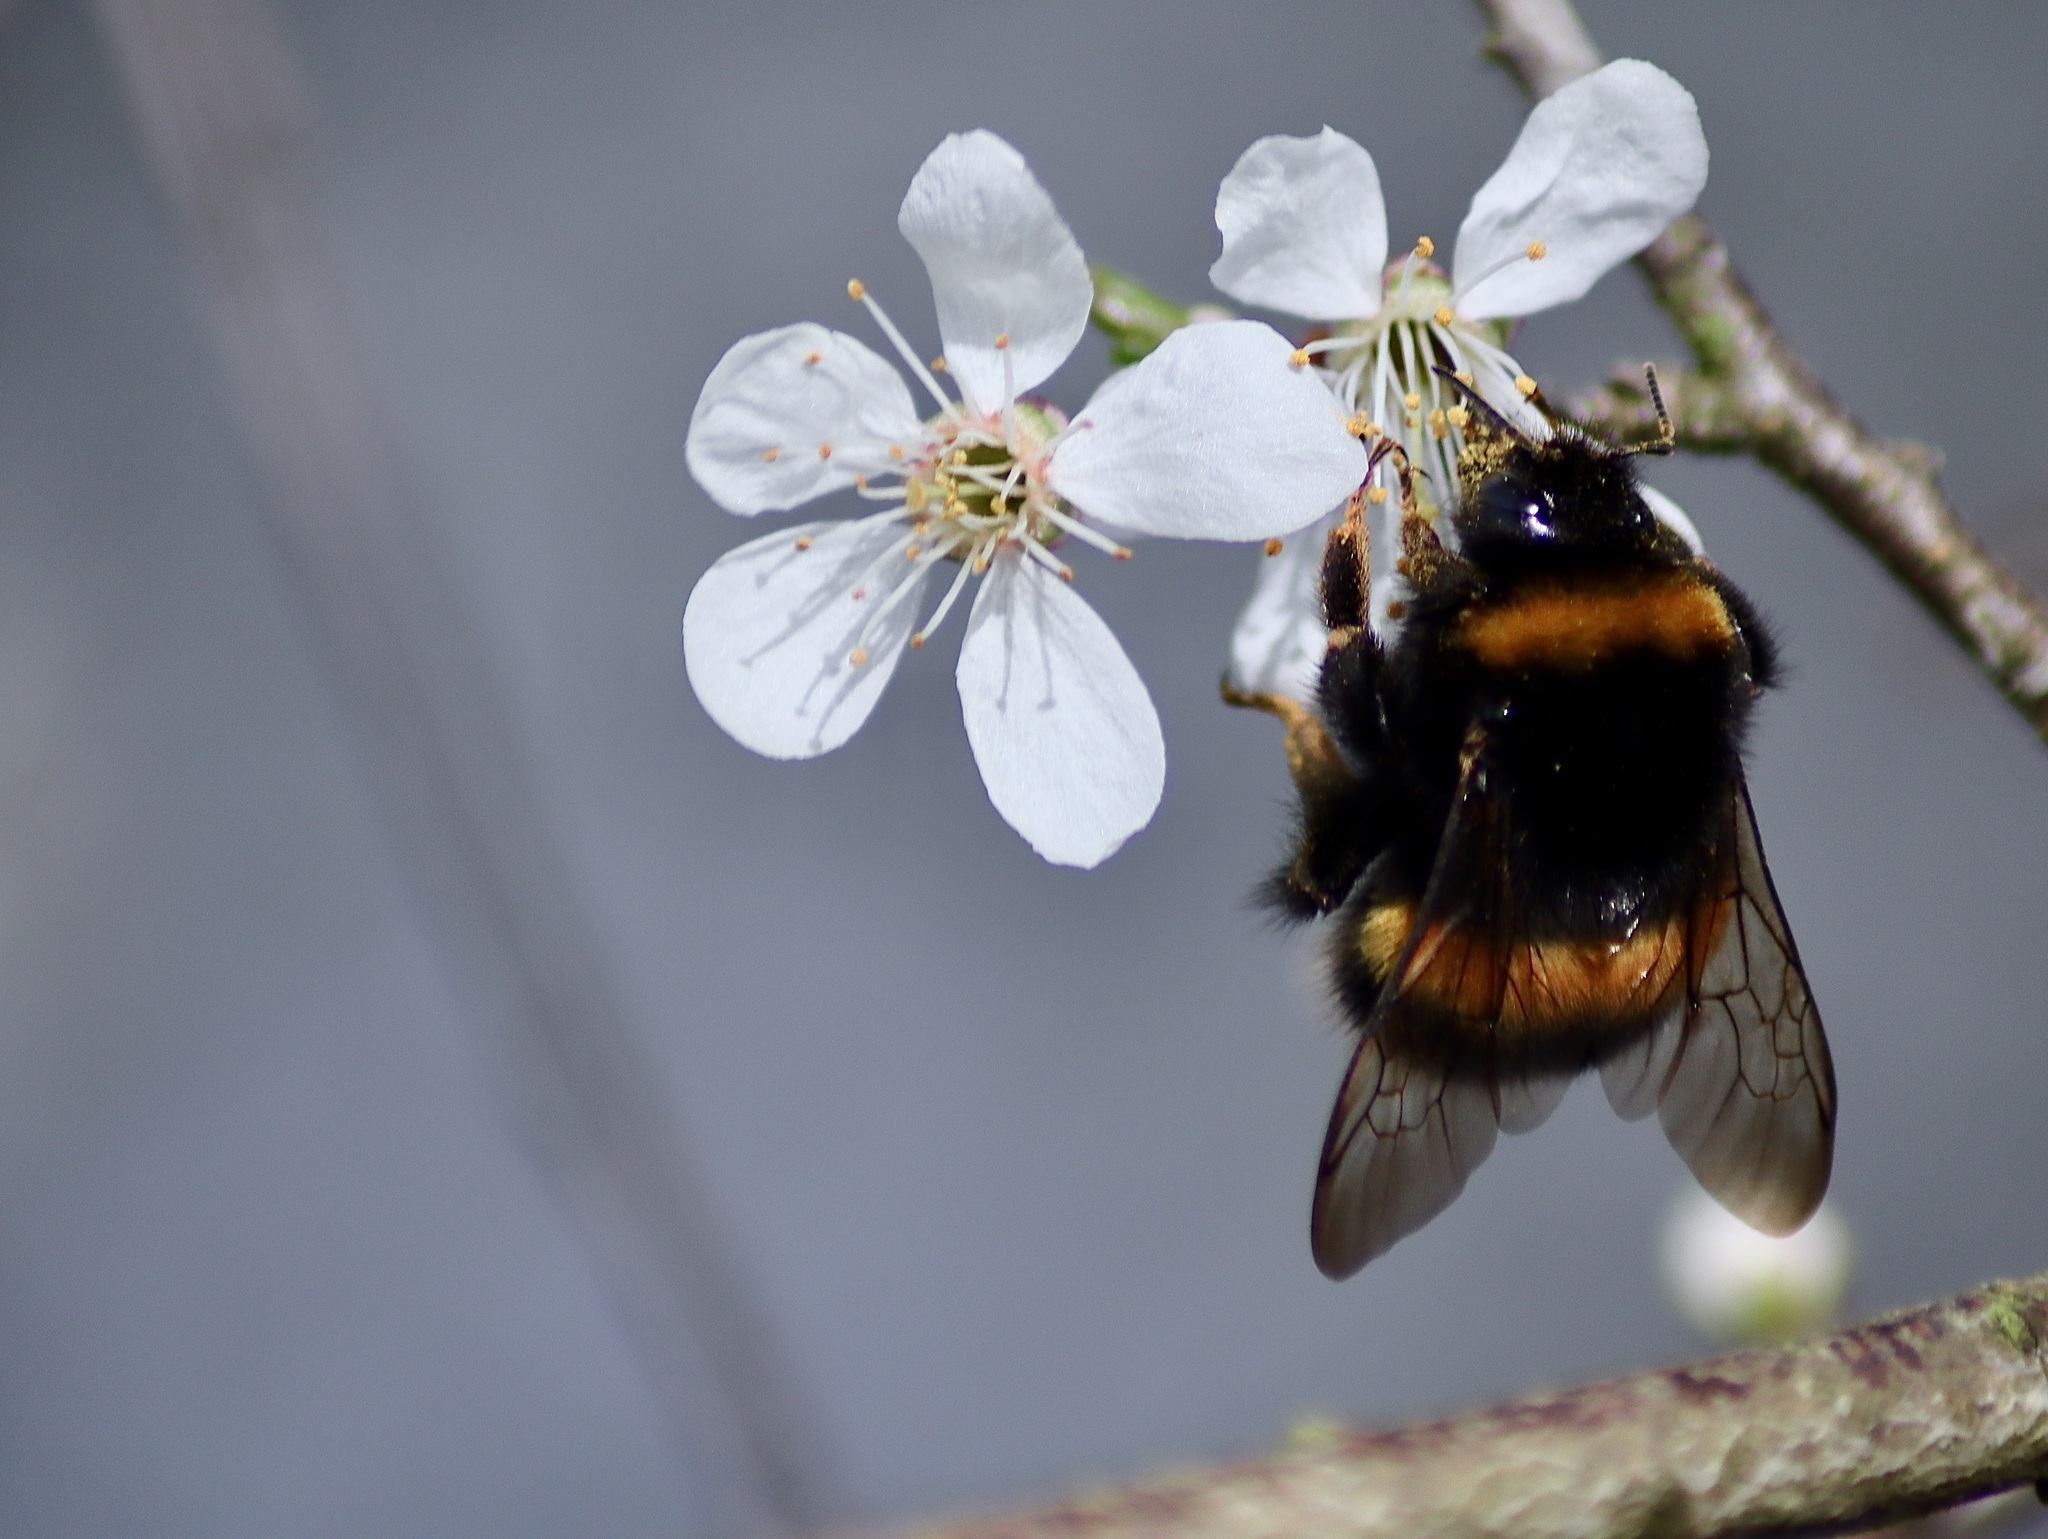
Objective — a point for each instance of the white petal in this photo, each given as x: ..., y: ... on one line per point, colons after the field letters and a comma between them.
x: 1304, y: 228
x: 770, y: 630
x: 1278, y: 644
x: 1059, y: 721
x: 1600, y: 169
x: 1672, y: 516
x: 766, y: 413
x: 1002, y: 262
x: 1214, y: 436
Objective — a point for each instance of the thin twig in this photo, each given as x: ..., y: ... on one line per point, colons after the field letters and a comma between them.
x: 1751, y: 393
x: 1901, y: 1416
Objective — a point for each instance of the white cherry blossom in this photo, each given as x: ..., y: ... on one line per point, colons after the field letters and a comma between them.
x: 1221, y: 434
x: 1599, y: 170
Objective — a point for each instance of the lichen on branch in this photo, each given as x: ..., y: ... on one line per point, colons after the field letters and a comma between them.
x: 1903, y: 1415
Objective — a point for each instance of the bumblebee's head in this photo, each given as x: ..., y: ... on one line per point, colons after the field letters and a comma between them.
x: 1566, y: 498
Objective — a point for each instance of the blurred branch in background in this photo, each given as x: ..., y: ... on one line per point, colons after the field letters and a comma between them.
x: 1750, y: 393
x: 1906, y: 1414
x: 214, y: 96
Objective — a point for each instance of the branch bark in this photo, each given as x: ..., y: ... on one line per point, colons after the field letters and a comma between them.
x: 1751, y: 393
x: 1903, y: 1415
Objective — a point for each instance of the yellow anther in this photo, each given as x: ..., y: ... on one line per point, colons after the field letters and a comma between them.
x: 1444, y: 316
x: 959, y: 456
x: 1359, y: 425
x: 771, y: 455
x: 858, y: 656
x: 824, y: 451
x: 860, y: 479
x: 1536, y: 251
x: 1066, y: 574
x: 1298, y: 357
x: 981, y: 563
x: 917, y: 642
x: 814, y: 357
x: 910, y: 551
x: 1458, y: 416
x: 855, y: 289
x: 1002, y: 340
x: 1412, y: 401
x: 1525, y: 384
x: 915, y: 496
x: 939, y: 365
x: 896, y: 450
x: 1273, y: 546
x: 1437, y: 425
x: 1375, y: 495
x: 1425, y: 248
x: 803, y: 542
x: 1122, y: 553
x: 1412, y: 420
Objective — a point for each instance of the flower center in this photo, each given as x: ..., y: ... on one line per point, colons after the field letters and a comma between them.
x: 974, y: 486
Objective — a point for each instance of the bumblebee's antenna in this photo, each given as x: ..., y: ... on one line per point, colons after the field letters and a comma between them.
x: 1480, y: 404
x: 1667, y: 432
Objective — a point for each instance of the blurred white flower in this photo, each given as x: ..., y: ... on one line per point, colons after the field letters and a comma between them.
x: 1599, y: 170
x: 789, y: 640
x: 1736, y: 1285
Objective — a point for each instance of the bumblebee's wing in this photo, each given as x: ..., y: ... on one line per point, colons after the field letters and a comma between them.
x: 1403, y: 1139
x: 1405, y: 1135
x: 1748, y: 1096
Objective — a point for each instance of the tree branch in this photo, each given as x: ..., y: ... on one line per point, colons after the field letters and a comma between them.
x: 1753, y: 394
x: 1904, y: 1415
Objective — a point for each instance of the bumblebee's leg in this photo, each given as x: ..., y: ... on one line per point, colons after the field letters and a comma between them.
x: 1339, y: 829
x: 1347, y: 572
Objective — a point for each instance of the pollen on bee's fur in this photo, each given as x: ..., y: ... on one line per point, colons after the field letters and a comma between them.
x: 1536, y: 251
x: 855, y: 289
x: 771, y: 454
x: 1274, y: 546
x: 1444, y: 316
x: 1425, y: 248
x: 1525, y: 384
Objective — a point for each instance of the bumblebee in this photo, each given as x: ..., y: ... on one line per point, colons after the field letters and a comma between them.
x: 1528, y: 816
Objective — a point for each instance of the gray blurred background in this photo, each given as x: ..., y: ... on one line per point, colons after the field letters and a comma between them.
x: 1011, y: 1162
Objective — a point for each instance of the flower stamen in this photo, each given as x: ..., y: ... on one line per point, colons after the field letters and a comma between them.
x: 858, y: 290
